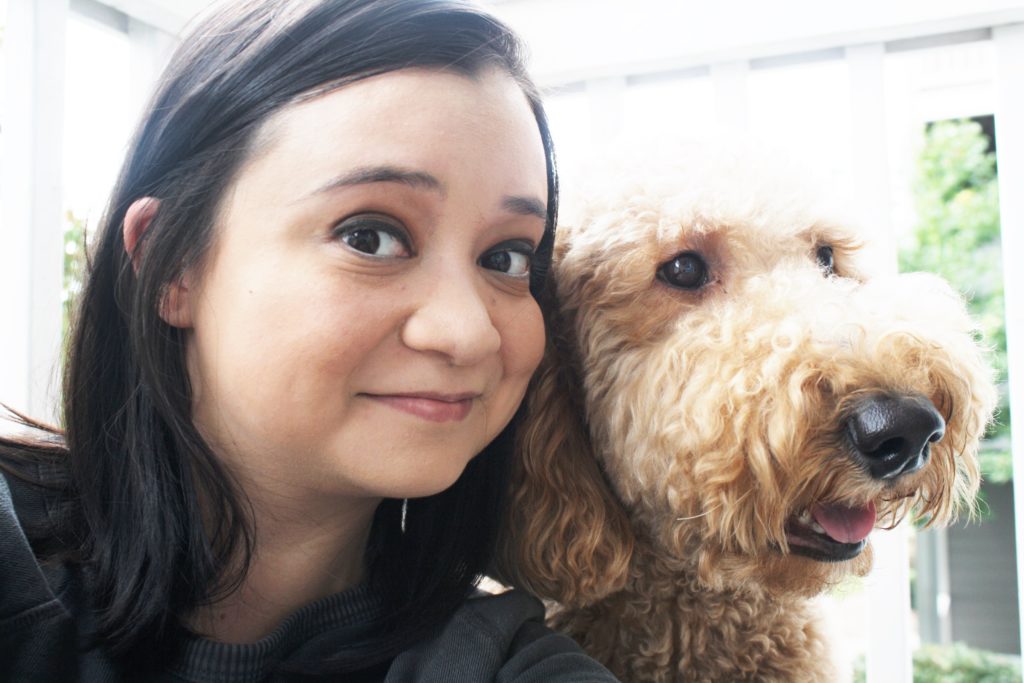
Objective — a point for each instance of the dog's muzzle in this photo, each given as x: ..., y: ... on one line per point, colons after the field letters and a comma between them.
x: 891, y: 434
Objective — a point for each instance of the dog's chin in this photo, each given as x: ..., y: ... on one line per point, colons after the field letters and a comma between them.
x: 824, y: 545
x: 809, y: 571
x: 783, y: 572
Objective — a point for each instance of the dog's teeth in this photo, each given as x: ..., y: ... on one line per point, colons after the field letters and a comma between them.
x: 809, y: 522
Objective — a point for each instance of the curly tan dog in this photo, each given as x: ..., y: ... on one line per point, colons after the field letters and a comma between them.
x: 729, y: 404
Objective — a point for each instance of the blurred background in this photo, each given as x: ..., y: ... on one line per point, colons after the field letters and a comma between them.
x: 915, y: 108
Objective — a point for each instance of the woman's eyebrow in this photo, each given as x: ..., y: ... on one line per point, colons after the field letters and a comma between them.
x: 382, y: 174
x: 525, y: 206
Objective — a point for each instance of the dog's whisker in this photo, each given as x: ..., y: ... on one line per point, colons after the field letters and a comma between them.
x: 698, y: 516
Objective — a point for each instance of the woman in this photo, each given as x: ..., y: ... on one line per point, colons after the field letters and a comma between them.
x: 309, y: 321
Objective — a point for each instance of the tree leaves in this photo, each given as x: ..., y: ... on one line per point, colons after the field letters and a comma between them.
x: 956, y: 194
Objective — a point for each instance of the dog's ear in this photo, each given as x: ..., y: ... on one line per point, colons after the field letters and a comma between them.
x: 565, y: 536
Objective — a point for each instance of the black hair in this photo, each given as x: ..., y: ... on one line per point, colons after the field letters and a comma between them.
x: 135, y: 471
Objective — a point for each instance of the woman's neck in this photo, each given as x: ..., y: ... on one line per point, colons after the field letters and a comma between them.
x: 300, y: 556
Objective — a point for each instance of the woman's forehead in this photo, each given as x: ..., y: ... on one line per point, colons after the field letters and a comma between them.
x: 420, y: 119
x: 407, y: 90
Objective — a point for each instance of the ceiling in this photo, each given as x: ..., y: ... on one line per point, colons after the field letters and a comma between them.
x: 168, y: 15
x: 173, y: 15
x: 576, y: 39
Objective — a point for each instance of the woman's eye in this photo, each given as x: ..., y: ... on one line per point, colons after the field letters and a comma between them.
x: 511, y: 259
x: 374, y: 237
x: 686, y: 271
x: 826, y: 260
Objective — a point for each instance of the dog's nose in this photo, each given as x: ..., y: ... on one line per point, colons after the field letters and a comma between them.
x: 891, y: 434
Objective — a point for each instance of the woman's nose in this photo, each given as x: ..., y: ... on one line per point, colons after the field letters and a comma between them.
x: 454, y: 320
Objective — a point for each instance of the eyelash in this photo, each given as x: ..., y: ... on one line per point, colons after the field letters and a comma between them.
x: 518, y: 247
x: 372, y: 223
x: 380, y: 224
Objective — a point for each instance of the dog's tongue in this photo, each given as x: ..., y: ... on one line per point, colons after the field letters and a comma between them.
x: 845, y: 524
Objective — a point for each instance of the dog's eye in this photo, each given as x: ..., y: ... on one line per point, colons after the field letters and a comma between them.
x: 826, y: 260
x: 685, y: 271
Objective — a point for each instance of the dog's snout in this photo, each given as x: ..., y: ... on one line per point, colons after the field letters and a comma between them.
x: 891, y: 434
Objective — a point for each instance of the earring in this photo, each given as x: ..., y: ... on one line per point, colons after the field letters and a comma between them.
x: 405, y: 510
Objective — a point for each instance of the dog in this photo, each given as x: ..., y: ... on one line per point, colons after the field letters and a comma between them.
x: 731, y: 399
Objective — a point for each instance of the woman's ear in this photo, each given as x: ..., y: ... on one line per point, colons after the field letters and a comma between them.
x: 175, y: 302
x: 136, y: 220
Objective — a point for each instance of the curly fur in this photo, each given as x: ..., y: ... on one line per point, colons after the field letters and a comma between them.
x: 671, y: 434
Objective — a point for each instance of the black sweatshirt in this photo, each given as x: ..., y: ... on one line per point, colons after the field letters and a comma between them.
x: 44, y: 622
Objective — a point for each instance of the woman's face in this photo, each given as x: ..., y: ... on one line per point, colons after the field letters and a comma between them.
x: 362, y: 325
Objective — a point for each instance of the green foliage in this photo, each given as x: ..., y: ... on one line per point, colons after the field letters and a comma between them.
x: 957, y: 663
x: 956, y: 194
x: 74, y: 263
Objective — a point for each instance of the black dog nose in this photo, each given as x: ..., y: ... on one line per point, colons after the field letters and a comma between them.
x: 891, y: 434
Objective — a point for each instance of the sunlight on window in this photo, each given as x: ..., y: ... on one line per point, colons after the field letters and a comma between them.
x: 98, y: 114
x: 934, y: 84
x: 671, y: 107
x: 3, y: 80
x: 806, y: 109
x: 571, y: 129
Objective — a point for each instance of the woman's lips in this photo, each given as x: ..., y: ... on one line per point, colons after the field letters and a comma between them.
x: 433, y: 407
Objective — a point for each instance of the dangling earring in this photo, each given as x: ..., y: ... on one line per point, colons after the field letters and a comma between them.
x: 405, y: 510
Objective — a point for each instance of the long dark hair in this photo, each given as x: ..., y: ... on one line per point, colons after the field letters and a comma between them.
x: 154, y: 517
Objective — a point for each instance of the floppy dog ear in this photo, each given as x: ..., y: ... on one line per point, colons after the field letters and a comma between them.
x: 565, y: 536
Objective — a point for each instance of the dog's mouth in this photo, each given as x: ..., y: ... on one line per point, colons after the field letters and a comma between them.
x: 831, y: 532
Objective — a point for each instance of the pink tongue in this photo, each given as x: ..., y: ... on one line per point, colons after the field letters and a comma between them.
x: 843, y: 524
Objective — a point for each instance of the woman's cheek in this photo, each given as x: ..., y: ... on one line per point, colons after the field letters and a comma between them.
x: 528, y: 341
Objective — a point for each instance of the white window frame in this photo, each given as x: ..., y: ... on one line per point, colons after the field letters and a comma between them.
x: 31, y: 192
